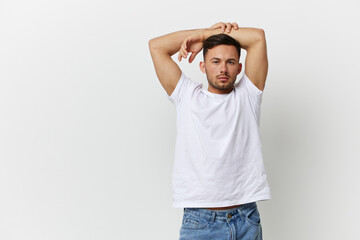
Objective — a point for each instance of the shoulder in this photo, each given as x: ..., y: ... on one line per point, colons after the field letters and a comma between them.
x: 245, y: 82
x: 184, y: 84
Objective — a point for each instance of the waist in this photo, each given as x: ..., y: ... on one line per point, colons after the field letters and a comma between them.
x: 224, y: 208
x: 221, y: 214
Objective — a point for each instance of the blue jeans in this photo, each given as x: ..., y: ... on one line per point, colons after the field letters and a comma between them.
x: 239, y: 223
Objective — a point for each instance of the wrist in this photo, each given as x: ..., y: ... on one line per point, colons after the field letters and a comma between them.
x: 208, y: 32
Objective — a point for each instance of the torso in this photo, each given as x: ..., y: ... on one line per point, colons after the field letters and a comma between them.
x: 223, y: 208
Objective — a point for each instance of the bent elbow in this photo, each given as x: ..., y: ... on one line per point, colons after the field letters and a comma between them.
x: 153, y: 44
x: 260, y: 34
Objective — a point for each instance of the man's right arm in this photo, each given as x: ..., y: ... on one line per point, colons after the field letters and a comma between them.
x: 161, y: 49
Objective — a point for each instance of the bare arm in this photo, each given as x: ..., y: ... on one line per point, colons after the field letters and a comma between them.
x: 161, y: 49
x: 256, y: 62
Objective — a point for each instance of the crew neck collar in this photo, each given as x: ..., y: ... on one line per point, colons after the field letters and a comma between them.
x: 217, y: 95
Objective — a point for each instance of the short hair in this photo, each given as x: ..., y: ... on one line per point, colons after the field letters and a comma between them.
x: 220, y: 39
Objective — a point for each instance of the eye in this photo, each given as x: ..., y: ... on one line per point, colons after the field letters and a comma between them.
x: 215, y: 61
x: 232, y: 63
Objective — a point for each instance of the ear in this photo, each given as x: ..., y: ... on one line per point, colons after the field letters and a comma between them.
x: 240, y: 67
x: 202, y: 67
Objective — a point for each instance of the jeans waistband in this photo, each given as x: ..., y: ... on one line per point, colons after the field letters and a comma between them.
x: 221, y: 214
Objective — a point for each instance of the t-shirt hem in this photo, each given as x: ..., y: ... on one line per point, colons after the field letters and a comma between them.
x: 191, y: 204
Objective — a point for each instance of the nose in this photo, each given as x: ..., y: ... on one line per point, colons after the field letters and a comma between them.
x: 223, y: 68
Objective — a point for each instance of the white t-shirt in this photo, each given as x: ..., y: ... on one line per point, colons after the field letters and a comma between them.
x: 218, y: 155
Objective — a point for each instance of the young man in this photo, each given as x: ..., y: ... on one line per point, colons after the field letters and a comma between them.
x: 218, y: 173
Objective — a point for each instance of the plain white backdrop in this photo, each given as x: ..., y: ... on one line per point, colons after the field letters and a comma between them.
x: 87, y: 133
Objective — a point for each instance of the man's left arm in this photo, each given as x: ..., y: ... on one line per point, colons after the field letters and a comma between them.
x: 256, y: 62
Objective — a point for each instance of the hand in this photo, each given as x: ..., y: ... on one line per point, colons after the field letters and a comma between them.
x: 193, y: 44
x: 225, y: 26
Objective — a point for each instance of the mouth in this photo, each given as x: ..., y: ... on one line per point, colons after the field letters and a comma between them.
x: 223, y: 79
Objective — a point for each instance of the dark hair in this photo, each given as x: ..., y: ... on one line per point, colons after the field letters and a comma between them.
x: 220, y: 39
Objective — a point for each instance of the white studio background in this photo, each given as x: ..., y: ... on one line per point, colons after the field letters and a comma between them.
x: 87, y: 133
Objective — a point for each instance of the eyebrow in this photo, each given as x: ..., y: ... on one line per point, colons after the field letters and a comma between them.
x: 215, y: 58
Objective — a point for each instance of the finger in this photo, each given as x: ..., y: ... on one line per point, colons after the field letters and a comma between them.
x: 218, y: 25
x: 185, y: 47
x: 222, y: 26
x: 179, y: 56
x: 228, y: 27
x: 183, y: 53
x: 192, y: 57
x: 235, y: 25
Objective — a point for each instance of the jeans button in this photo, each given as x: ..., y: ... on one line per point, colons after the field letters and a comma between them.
x: 229, y: 215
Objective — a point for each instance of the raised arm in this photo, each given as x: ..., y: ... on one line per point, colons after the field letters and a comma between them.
x: 251, y: 39
x: 161, y: 49
x: 256, y: 62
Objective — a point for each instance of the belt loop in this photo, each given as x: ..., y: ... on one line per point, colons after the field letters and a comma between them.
x: 213, y: 216
x: 242, y: 216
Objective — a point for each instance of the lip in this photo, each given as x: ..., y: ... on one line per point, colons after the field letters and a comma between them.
x: 223, y: 78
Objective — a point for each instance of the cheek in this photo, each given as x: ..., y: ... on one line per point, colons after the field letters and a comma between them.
x: 211, y: 69
x: 235, y: 70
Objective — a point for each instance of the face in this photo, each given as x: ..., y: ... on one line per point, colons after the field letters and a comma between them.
x: 221, y: 65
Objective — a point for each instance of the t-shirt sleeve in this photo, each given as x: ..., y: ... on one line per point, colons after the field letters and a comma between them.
x: 255, y: 93
x: 180, y: 89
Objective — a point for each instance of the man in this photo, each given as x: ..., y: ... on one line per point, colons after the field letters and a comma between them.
x: 218, y: 170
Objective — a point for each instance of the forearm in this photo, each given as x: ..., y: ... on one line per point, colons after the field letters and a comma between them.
x: 247, y: 37
x: 170, y: 43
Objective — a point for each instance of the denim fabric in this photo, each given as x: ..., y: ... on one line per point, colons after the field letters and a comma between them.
x: 240, y: 223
